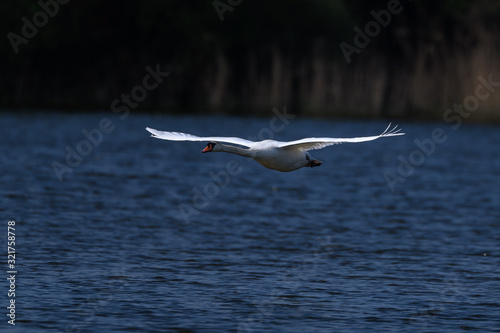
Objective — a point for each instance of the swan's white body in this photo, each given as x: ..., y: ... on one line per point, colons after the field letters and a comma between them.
x: 277, y: 155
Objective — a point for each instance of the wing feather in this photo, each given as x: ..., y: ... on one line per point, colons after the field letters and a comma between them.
x: 178, y: 136
x: 318, y: 143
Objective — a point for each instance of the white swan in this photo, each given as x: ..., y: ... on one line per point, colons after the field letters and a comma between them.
x: 277, y: 155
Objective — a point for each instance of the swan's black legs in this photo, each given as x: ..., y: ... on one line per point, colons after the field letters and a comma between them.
x: 314, y: 163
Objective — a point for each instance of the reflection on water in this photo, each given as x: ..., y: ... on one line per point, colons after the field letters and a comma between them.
x: 324, y: 249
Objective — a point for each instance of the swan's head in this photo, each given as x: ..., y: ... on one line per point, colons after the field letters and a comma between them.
x: 210, y: 146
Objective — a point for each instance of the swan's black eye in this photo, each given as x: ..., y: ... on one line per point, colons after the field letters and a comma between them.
x: 211, y: 144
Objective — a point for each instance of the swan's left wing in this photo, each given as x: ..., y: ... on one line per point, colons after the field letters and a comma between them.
x: 178, y: 136
x: 318, y: 143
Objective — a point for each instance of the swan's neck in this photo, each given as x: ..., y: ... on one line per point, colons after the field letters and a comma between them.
x: 233, y: 150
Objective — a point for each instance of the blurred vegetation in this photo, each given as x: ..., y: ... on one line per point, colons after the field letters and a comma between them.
x: 261, y: 55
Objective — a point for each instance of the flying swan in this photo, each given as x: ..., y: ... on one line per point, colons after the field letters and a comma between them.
x: 277, y: 155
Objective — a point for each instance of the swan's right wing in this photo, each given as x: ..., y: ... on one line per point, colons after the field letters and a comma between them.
x: 178, y: 136
x: 318, y: 143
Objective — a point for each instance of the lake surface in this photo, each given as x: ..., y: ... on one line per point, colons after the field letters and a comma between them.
x: 146, y: 235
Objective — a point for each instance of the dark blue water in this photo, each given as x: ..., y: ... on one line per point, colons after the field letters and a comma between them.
x: 153, y: 236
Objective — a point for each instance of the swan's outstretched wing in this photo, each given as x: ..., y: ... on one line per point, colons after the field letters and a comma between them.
x: 318, y: 143
x: 177, y: 136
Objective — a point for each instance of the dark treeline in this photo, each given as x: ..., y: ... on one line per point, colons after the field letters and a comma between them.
x: 250, y: 56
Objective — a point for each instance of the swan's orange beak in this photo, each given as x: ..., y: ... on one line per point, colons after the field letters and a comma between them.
x: 210, y: 146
